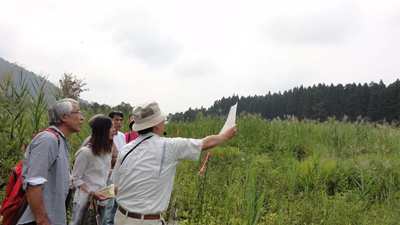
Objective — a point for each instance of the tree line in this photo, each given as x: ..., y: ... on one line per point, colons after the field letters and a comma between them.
x: 373, y: 102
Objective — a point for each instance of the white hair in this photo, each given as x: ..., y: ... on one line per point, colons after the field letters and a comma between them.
x: 63, y: 106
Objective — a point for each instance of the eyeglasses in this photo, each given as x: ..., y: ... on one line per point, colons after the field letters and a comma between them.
x: 78, y: 112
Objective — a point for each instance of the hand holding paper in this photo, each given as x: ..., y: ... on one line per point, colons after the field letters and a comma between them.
x: 230, y: 132
x: 108, y: 191
x: 227, y: 132
x: 231, y: 120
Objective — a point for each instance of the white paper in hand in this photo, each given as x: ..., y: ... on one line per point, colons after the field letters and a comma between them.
x: 108, y: 191
x: 231, y: 120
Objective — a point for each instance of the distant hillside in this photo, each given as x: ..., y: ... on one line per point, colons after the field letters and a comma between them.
x: 7, y: 68
x: 372, y: 102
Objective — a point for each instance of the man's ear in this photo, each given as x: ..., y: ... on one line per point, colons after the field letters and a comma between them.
x: 63, y: 117
x: 157, y: 128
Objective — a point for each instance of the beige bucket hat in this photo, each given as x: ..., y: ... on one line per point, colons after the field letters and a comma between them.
x: 147, y: 115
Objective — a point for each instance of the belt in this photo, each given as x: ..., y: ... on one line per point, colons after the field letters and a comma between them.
x: 138, y: 216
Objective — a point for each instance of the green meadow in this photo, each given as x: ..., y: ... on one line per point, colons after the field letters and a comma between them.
x: 273, y: 172
x: 291, y: 172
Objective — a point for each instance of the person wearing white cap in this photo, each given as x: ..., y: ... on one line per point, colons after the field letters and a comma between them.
x: 145, y: 170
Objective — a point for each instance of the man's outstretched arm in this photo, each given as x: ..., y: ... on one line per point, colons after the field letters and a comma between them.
x: 214, y: 140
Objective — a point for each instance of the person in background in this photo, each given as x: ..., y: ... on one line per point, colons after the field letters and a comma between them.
x: 46, y: 167
x: 131, y: 135
x: 119, y: 141
x: 119, y: 138
x: 92, y: 165
x: 144, y: 178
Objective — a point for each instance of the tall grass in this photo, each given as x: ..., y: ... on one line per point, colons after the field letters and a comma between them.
x: 13, y: 122
x: 279, y: 169
x: 272, y: 172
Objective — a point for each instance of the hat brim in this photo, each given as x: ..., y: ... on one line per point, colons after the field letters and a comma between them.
x: 151, y: 123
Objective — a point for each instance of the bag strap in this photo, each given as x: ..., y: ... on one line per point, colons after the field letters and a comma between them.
x: 49, y: 130
x: 134, y: 148
x: 128, y: 137
x: 56, y: 133
x: 91, y: 201
x: 93, y: 206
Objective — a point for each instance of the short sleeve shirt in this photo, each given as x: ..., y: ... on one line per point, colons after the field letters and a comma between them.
x: 145, y: 178
x: 45, y: 161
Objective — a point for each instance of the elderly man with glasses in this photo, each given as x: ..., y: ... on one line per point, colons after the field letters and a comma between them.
x: 46, y: 167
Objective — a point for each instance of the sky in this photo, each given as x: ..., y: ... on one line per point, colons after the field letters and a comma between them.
x: 184, y: 53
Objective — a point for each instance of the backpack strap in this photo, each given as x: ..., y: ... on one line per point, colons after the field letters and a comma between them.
x: 134, y: 148
x: 49, y: 130
x: 128, y: 137
x: 15, y: 174
x: 55, y: 132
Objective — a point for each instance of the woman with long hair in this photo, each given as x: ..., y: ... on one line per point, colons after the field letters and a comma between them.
x: 92, y: 165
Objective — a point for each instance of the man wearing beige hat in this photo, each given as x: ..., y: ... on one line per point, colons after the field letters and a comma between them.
x: 145, y: 169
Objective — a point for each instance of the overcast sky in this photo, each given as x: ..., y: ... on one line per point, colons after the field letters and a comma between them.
x: 185, y: 53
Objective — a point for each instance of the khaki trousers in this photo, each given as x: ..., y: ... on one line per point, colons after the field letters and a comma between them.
x: 121, y: 219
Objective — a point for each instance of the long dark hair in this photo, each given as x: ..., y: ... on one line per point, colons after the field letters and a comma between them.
x: 100, y: 140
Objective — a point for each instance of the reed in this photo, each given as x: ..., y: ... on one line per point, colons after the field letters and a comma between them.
x: 273, y: 172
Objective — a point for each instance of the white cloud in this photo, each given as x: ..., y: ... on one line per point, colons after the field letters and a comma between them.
x: 196, y: 68
x: 8, y: 39
x: 189, y: 54
x: 322, y: 27
x: 137, y: 35
x: 148, y: 45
